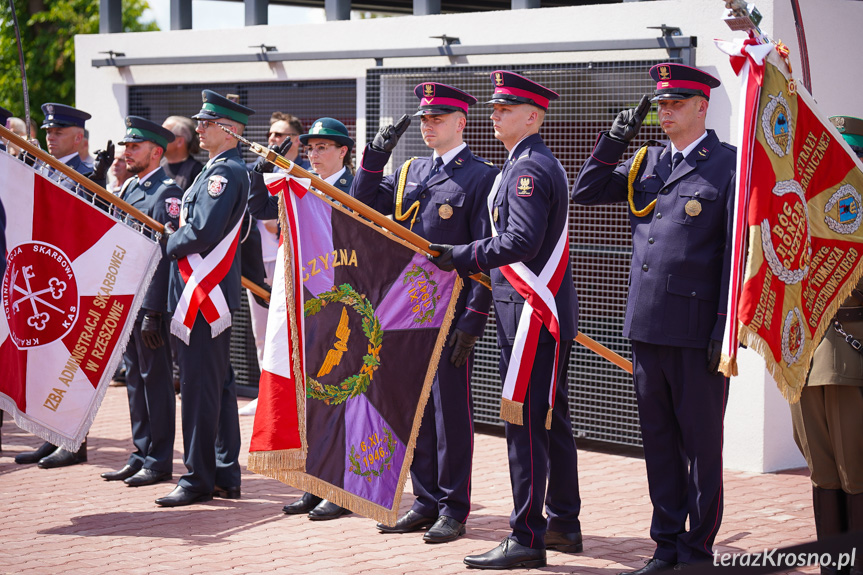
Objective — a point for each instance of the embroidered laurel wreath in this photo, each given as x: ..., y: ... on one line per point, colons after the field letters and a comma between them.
x: 374, y: 454
x: 359, y: 382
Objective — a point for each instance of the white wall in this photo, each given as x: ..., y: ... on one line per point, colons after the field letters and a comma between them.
x: 758, y: 430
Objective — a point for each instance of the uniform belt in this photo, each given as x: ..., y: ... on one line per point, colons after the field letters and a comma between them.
x: 850, y: 314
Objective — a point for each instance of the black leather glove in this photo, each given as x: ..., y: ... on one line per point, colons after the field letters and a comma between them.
x: 387, y: 137
x: 150, y: 329
x: 264, y: 303
x: 169, y: 229
x: 102, y: 161
x: 265, y: 167
x: 444, y: 260
x: 463, y: 343
x: 628, y: 122
x: 714, y: 354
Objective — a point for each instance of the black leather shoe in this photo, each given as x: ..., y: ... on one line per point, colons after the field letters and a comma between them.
x: 44, y: 450
x: 444, y: 530
x: 510, y: 554
x: 147, y: 477
x: 121, y: 474
x: 227, y: 492
x: 651, y: 566
x: 302, y: 505
x: 681, y: 566
x: 63, y: 458
x: 327, y: 510
x: 407, y: 523
x: 564, y: 542
x: 181, y: 496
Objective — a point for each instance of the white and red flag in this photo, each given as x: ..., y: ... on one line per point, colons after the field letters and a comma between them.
x: 74, y: 281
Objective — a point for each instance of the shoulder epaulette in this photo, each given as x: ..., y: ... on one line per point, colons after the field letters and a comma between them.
x: 730, y: 146
x: 483, y: 161
x: 220, y: 160
x: 168, y: 182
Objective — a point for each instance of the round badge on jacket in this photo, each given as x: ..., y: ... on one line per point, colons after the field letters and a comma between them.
x: 693, y: 208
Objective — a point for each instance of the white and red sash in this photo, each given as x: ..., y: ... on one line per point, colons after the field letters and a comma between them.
x: 540, y: 309
x: 202, y: 291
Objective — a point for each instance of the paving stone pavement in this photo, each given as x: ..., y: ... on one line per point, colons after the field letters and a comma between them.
x: 71, y: 521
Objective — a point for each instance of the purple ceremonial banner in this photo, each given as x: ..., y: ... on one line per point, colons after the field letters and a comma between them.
x: 375, y: 317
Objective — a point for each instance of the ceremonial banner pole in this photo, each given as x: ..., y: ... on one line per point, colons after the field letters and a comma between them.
x: 105, y: 195
x: 398, y: 230
x: 82, y: 181
x: 21, y: 63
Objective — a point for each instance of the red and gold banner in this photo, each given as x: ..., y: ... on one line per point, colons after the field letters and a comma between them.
x: 800, y: 211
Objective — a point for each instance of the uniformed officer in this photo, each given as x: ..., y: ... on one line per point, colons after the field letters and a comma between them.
x: 147, y: 356
x: 528, y: 259
x: 828, y: 425
x: 442, y: 198
x: 328, y: 147
x: 205, y: 245
x: 680, y: 202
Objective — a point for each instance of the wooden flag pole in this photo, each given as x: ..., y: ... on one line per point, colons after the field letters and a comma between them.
x: 398, y: 230
x: 104, y: 194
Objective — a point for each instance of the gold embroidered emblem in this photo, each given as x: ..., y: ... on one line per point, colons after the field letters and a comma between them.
x: 664, y: 73
x: 498, y: 79
x: 445, y: 211
x: 693, y: 208
x: 334, y: 356
x: 525, y: 186
x: 428, y: 90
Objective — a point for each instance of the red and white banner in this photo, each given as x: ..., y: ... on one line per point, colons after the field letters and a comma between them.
x: 74, y: 281
x: 278, y: 438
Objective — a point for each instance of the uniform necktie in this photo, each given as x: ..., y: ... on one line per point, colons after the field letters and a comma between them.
x: 675, y: 161
x: 438, y: 163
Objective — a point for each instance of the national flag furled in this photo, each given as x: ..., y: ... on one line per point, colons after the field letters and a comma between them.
x: 373, y: 318
x: 74, y: 281
x: 799, y: 210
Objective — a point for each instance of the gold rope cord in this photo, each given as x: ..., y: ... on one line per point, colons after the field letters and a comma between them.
x: 633, y: 174
x: 400, y: 193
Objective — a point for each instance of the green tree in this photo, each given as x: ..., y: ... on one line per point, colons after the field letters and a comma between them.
x: 48, y: 29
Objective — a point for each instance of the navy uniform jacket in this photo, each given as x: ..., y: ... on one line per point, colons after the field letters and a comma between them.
x: 463, y: 184
x: 77, y: 164
x: 160, y: 198
x: 208, y: 220
x: 264, y: 206
x: 529, y: 224
x: 680, y: 263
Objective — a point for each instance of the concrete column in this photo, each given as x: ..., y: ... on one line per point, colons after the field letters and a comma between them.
x: 110, y: 16
x: 181, y: 14
x: 758, y: 434
x: 426, y: 7
x: 337, y: 9
x: 256, y: 12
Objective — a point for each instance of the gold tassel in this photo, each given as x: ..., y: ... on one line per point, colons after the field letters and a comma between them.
x: 548, y: 418
x: 511, y: 411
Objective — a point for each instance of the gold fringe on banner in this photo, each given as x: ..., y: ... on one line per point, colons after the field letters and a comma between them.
x: 272, y: 462
x: 353, y: 502
x: 511, y: 411
x: 791, y: 390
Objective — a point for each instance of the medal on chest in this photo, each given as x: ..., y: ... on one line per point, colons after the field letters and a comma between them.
x: 692, y: 208
x: 445, y: 211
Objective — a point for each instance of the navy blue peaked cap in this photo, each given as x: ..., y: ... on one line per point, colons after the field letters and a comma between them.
x: 63, y: 116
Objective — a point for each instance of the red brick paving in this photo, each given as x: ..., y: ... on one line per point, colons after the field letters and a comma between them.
x: 71, y: 521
